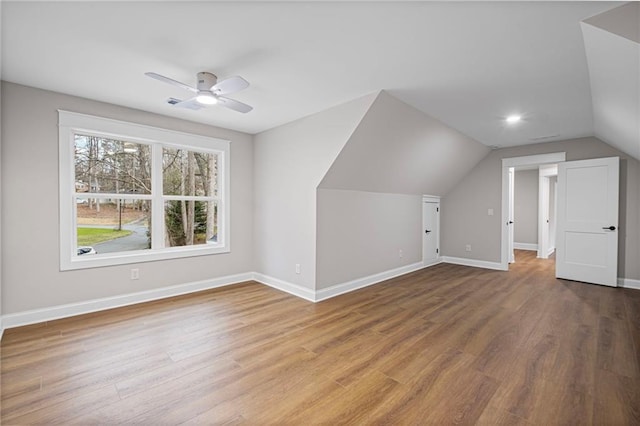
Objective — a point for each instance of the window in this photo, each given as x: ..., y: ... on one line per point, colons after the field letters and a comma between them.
x: 132, y: 193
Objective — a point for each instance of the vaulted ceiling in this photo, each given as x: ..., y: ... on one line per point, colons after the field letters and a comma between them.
x: 467, y: 64
x: 612, y: 43
x: 398, y: 149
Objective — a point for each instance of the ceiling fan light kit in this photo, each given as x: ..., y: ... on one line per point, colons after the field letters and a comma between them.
x: 206, y: 97
x: 208, y: 91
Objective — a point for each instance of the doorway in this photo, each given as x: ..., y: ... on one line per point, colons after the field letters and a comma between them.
x: 547, y: 212
x: 543, y: 162
x: 587, y: 214
x: 533, y: 195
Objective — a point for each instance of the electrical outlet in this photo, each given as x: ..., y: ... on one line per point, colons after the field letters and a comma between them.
x: 135, y: 274
x: 400, y: 254
x: 467, y: 247
x: 297, y: 268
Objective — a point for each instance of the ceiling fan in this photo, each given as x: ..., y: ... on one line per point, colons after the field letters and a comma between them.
x: 209, y: 91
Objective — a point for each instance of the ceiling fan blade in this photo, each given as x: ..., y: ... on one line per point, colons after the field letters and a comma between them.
x: 234, y: 105
x: 230, y: 85
x: 190, y: 104
x: 170, y: 81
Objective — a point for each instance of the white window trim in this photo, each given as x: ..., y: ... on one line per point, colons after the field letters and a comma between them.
x: 69, y: 124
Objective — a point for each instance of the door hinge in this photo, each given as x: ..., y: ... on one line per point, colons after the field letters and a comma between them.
x: 437, y: 209
x: 437, y: 251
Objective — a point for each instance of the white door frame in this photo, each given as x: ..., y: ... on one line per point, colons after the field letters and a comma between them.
x: 529, y: 160
x: 511, y: 214
x: 553, y: 229
x: 432, y: 199
x: 544, y: 175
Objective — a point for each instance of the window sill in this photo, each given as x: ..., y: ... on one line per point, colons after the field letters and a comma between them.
x: 108, y: 259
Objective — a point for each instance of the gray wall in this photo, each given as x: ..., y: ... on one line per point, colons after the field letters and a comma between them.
x: 31, y: 277
x: 525, y: 207
x: 465, y: 219
x: 370, y: 200
x: 289, y: 163
x: 361, y: 233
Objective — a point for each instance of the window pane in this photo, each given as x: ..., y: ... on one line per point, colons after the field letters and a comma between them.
x: 190, y: 222
x: 189, y: 173
x: 111, y: 226
x: 107, y: 165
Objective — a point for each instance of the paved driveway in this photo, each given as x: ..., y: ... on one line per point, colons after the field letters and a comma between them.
x: 137, y: 240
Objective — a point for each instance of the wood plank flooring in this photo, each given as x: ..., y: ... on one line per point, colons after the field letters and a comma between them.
x: 444, y: 345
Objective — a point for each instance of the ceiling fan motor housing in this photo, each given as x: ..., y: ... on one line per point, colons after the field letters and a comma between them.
x: 206, y: 80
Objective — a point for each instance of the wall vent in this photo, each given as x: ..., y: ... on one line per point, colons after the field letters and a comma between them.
x: 541, y: 138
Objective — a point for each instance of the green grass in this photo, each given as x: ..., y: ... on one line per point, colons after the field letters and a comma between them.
x: 91, y: 236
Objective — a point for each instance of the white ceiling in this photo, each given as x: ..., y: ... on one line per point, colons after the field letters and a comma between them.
x: 468, y: 64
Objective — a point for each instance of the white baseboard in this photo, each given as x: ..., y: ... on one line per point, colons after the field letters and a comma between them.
x: 525, y: 246
x: 338, y: 289
x: 285, y: 286
x: 437, y: 261
x: 629, y: 283
x: 63, y: 311
x: 473, y: 262
x: 95, y: 305
x: 72, y: 309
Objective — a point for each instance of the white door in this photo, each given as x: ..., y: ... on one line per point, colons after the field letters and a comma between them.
x: 512, y: 257
x: 431, y: 231
x: 587, y: 227
x: 543, y: 216
x: 553, y: 214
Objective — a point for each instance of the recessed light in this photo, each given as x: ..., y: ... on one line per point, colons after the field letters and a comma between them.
x: 512, y: 119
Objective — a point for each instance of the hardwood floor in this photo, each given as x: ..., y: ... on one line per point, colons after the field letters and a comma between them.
x: 447, y: 344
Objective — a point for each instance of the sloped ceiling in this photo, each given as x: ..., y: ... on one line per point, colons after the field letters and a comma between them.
x: 399, y: 149
x: 612, y: 44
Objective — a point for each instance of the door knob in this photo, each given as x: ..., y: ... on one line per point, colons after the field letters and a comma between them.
x: 610, y: 228
x: 426, y: 231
